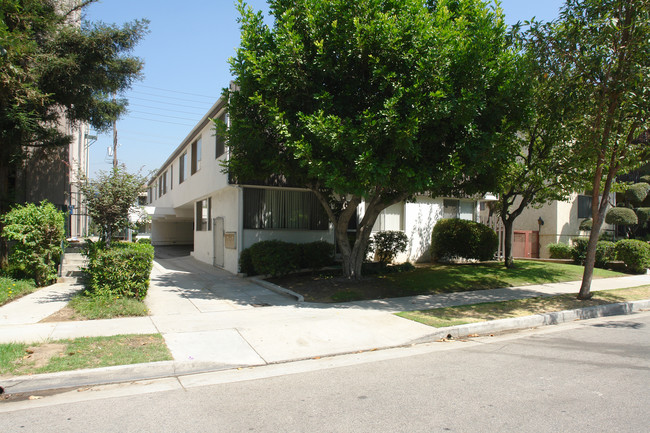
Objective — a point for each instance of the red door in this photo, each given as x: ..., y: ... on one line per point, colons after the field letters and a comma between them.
x: 525, y: 244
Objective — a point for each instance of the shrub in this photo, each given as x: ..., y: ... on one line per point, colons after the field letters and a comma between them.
x: 634, y: 253
x: 402, y: 267
x: 621, y: 216
x: 559, y: 251
x: 275, y: 257
x: 36, y: 232
x: 579, y: 250
x: 636, y: 193
x: 461, y: 238
x: 643, y: 215
x: 586, y: 225
x: 143, y: 241
x: 605, y: 253
x: 246, y: 262
x: 645, y: 178
x: 121, y: 270
x: 316, y: 255
x: 388, y: 244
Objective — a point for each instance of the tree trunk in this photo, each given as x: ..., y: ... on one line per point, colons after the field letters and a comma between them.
x: 508, y: 228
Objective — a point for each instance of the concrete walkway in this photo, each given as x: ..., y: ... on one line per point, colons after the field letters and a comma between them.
x: 211, y: 319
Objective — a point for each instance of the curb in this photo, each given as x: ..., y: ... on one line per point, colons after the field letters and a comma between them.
x: 157, y: 370
x: 277, y: 289
x: 535, y: 321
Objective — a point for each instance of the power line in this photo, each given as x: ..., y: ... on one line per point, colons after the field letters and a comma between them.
x: 164, y: 102
x: 161, y: 121
x: 161, y: 115
x: 198, y: 113
x: 168, y: 97
x: 175, y: 91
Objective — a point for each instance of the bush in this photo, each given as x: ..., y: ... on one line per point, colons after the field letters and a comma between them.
x: 246, y: 262
x: 121, y: 270
x: 635, y: 254
x: 316, y: 255
x: 643, y: 215
x: 605, y: 253
x: 37, y: 233
x: 275, y: 257
x: 579, y: 250
x: 621, y: 216
x: 586, y: 225
x: 461, y: 238
x: 559, y: 251
x: 143, y: 241
x: 388, y: 244
x: 636, y: 193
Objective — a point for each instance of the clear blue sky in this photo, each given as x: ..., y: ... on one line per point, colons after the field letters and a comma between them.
x: 186, y: 67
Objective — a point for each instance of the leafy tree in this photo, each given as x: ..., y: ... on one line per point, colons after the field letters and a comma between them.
x: 544, y: 164
x: 52, y: 69
x: 605, y: 49
x: 370, y: 101
x: 111, y: 199
x: 37, y: 233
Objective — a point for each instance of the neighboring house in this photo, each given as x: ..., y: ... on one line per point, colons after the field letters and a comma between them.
x: 52, y: 174
x: 195, y: 203
x: 557, y: 221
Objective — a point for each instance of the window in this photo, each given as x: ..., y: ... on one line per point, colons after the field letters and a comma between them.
x: 220, y: 146
x: 196, y: 156
x: 171, y: 176
x: 461, y: 209
x: 203, y: 215
x: 160, y: 186
x: 584, y: 206
x: 390, y: 218
x: 283, y: 209
x: 149, y: 195
x: 182, y: 167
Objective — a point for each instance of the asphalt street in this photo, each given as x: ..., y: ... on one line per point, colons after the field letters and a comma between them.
x: 585, y: 376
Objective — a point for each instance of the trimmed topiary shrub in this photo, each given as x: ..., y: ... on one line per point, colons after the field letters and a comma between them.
x: 121, y: 270
x: 579, y: 250
x: 388, y: 244
x: 635, y: 254
x: 456, y: 238
x: 621, y: 216
x: 36, y: 233
x: 275, y: 257
x: 586, y: 225
x: 636, y: 193
x: 316, y: 255
x: 605, y: 253
x: 559, y: 251
x: 643, y: 215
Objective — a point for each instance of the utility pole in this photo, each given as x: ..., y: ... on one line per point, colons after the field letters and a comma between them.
x: 114, y: 139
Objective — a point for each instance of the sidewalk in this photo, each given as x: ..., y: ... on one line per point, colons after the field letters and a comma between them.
x: 213, y: 320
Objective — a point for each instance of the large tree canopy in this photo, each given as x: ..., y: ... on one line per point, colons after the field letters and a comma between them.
x: 370, y: 101
x: 55, y: 69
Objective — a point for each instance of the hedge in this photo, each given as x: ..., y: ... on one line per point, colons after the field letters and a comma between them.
x: 121, y: 270
x: 621, y: 216
x: 280, y: 258
x: 560, y: 251
x: 635, y: 254
x: 452, y: 238
x: 636, y: 193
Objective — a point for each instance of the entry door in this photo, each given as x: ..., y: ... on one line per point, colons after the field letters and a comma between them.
x: 218, y: 242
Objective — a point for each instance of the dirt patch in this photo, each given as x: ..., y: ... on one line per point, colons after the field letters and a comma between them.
x: 333, y: 287
x: 65, y: 314
x: 38, y: 356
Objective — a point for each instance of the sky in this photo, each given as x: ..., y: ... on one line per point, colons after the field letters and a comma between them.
x: 185, y: 58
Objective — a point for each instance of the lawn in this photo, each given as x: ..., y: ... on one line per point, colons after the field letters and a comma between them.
x: 451, y: 316
x: 87, y: 352
x: 97, y: 307
x: 432, y: 279
x: 11, y: 289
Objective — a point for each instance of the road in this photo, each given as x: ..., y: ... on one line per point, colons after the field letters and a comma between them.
x: 587, y: 376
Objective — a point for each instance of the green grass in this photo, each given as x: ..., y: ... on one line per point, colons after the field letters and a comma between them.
x: 11, y: 289
x: 451, y: 316
x: 80, y: 353
x: 440, y: 278
x: 95, y: 307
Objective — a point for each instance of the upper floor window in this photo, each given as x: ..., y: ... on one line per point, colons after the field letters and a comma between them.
x: 196, y: 156
x: 171, y: 176
x: 220, y: 146
x: 182, y: 167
